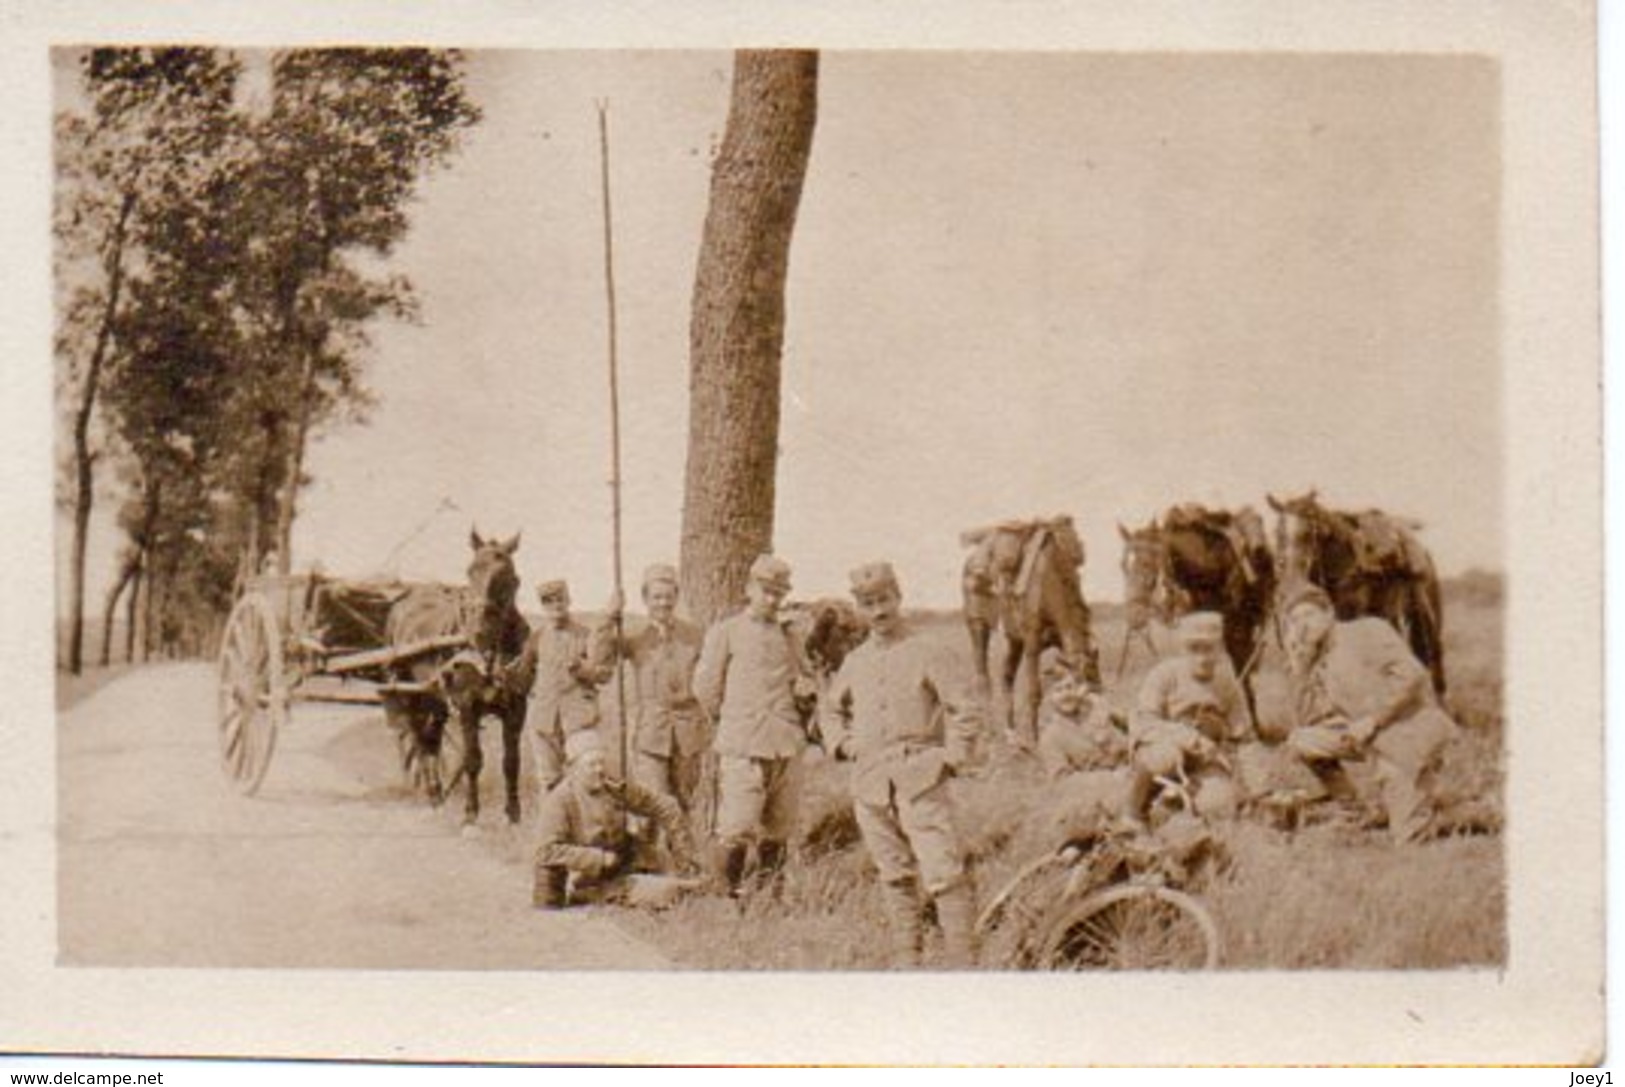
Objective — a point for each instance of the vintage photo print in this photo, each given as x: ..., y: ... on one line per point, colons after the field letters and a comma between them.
x: 1032, y: 516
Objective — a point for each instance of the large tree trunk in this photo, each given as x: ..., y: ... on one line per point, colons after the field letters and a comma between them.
x: 287, y: 502
x: 83, y: 457
x: 736, y: 332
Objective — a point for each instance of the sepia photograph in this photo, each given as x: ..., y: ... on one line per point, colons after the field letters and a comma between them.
x: 1032, y: 524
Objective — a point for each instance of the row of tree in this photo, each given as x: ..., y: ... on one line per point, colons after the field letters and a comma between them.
x: 221, y: 254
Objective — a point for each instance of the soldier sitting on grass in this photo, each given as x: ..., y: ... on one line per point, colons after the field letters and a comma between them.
x: 585, y: 852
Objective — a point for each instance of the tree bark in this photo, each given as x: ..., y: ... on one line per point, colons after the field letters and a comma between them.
x: 736, y: 331
x: 132, y: 607
x: 83, y: 457
x: 110, y: 610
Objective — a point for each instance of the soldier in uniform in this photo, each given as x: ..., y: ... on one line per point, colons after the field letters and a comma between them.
x: 899, y: 709
x: 749, y: 677
x: 1076, y: 732
x: 670, y: 735
x: 584, y: 851
x: 1363, y: 694
x: 1190, y: 714
x: 562, y: 665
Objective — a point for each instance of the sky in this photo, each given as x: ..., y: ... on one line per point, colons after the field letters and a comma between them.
x: 1021, y: 284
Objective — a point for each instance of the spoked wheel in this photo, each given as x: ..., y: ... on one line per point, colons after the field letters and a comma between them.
x: 1132, y: 928
x: 1010, y: 926
x: 253, y: 703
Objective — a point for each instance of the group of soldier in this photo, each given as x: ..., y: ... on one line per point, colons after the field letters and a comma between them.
x: 740, y: 700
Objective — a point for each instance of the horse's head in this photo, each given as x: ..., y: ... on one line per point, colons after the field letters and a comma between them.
x: 1142, y: 570
x: 492, y: 581
x: 1300, y: 532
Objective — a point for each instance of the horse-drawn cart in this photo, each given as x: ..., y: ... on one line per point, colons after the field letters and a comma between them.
x: 310, y: 638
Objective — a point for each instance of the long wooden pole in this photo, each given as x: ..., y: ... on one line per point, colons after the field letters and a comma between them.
x: 614, y: 437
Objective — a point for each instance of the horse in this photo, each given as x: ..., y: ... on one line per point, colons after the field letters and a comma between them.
x: 1194, y: 559
x: 466, y: 684
x: 1022, y: 577
x: 1369, y: 563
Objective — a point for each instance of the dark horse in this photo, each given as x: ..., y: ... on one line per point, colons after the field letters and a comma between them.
x: 1369, y: 564
x: 467, y: 684
x: 1194, y: 559
x: 1022, y: 576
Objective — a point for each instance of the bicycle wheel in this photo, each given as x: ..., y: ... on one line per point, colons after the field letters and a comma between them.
x: 1132, y: 928
x: 1008, y: 927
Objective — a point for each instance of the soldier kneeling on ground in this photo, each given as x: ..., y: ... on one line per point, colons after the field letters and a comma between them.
x: 585, y: 851
x: 1189, y: 717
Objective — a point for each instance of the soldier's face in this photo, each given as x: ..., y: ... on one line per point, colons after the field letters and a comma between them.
x: 1069, y: 695
x: 661, y: 598
x: 764, y: 599
x: 556, y: 608
x: 882, y: 608
x: 589, y: 770
x: 1204, y: 657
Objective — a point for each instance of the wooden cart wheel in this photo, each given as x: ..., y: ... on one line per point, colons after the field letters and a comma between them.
x: 253, y: 693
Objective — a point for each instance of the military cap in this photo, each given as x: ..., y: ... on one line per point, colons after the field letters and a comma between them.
x: 577, y: 744
x: 554, y: 589
x: 1304, y: 592
x: 771, y: 571
x: 1201, y: 627
x: 873, y: 577
x: 660, y: 574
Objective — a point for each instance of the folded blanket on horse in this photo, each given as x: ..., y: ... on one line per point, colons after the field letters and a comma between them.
x: 1001, y: 559
x: 1384, y: 545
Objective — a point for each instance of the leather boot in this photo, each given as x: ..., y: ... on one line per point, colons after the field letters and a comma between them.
x: 902, y: 907
x: 550, y: 889
x: 956, y: 915
x: 728, y: 863
x: 770, y: 857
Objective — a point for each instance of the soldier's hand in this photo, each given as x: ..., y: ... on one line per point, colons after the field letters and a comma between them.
x: 1363, y: 729
x: 608, y: 859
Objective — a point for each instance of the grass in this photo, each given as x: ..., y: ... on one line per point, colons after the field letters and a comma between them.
x: 1326, y: 896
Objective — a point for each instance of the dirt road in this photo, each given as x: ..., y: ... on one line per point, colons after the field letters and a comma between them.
x: 333, y: 864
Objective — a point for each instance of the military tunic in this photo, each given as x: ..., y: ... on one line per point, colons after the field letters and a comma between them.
x: 1364, y: 670
x: 671, y: 733
x: 899, y: 707
x: 566, y: 665
x: 1175, y: 710
x: 746, y: 679
x: 578, y: 828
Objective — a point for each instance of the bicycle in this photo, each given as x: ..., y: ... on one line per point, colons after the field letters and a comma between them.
x: 1110, y: 903
x: 1112, y: 899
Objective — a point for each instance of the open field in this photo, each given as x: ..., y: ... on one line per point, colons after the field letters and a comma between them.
x: 1328, y: 896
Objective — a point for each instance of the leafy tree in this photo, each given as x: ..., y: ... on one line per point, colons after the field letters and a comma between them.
x: 349, y: 134
x: 154, y: 115
x: 736, y: 333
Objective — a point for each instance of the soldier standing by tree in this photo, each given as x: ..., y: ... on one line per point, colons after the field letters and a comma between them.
x: 897, y: 706
x: 749, y: 677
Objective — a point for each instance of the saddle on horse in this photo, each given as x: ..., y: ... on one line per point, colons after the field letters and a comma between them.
x: 1384, y: 545
x: 1003, y: 555
x: 1243, y: 530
